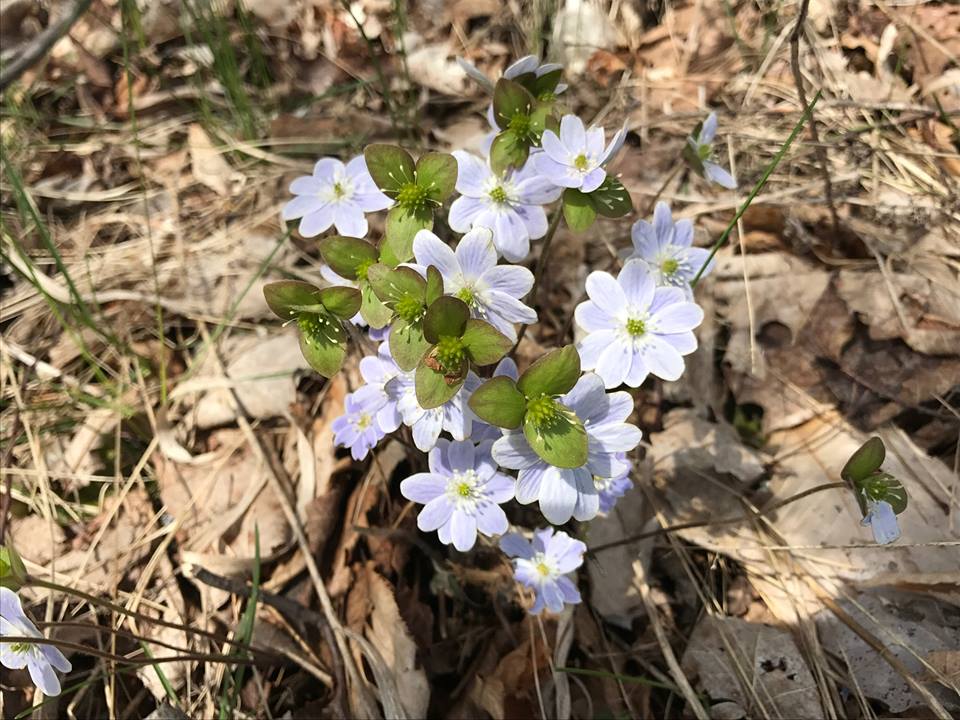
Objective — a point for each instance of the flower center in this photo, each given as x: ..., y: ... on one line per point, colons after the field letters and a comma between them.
x: 413, y: 196
x: 547, y: 96
x: 498, y: 195
x: 410, y: 308
x: 451, y: 352
x: 541, y: 565
x: 362, y: 268
x: 312, y: 326
x: 21, y: 647
x: 669, y: 266
x: 463, y: 486
x: 466, y: 294
x: 602, y: 483
x: 522, y: 127
x: 636, y: 327
x: 704, y: 151
x: 544, y: 410
x: 338, y: 190
x: 364, y: 421
x: 580, y: 162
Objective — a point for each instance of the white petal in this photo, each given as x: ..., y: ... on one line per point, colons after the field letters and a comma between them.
x: 606, y: 293
x: 316, y: 222
x: 512, y: 280
x: 663, y: 359
x: 637, y: 283
x: 476, y: 253
x: 614, y: 363
x: 464, y: 213
x: 558, y: 497
x: 472, y: 173
x: 677, y: 318
x: 573, y: 134
x: 349, y: 220
x: 428, y: 249
x: 592, y: 347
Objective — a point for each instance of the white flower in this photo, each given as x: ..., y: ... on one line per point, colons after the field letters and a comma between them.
x: 701, y: 148
x: 511, y: 206
x: 635, y: 328
x: 576, y: 157
x: 544, y: 566
x: 336, y: 194
x: 882, y: 521
x: 491, y: 291
x: 667, y: 247
x: 40, y: 659
x: 454, y: 416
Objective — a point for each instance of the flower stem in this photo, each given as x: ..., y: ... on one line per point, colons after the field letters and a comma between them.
x: 541, y: 265
x: 758, y: 187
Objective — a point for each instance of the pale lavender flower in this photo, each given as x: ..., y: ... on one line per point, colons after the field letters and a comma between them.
x: 882, y: 521
x: 491, y: 291
x: 454, y: 416
x: 701, y: 147
x: 667, y: 248
x: 526, y: 64
x: 461, y: 494
x: 635, y: 328
x: 576, y: 157
x: 544, y: 566
x: 357, y: 428
x: 571, y: 492
x: 336, y: 194
x: 40, y: 659
x: 613, y: 488
x: 511, y: 206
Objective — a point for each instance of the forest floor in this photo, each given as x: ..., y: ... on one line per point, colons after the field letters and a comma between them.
x: 163, y: 437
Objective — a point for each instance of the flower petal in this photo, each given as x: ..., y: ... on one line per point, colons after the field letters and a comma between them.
x: 552, y: 597
x: 592, y: 347
x: 677, y: 318
x: 554, y: 147
x: 306, y: 185
x: 464, y: 213
x: 500, y: 488
x: 573, y: 134
x: 463, y: 530
x: 428, y: 249
x: 435, y: 513
x: 316, y: 222
x: 461, y: 455
x: 472, y: 173
x: 637, y: 283
x: 592, y: 180
x: 491, y: 520
x: 512, y: 451
x: 427, y: 430
x: 614, y: 363
x: 476, y: 253
x: 606, y: 293
x: 349, y: 220
x: 301, y: 205
x: 708, y: 130
x: 515, y: 546
x: 663, y: 359
x: 423, y: 487
x: 718, y: 175
x: 569, y: 591
x: 558, y: 497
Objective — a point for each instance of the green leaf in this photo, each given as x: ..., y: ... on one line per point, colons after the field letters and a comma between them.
x: 484, y: 342
x: 611, y: 199
x: 391, y: 285
x: 539, y: 120
x: 562, y: 442
x: 507, y: 151
x: 545, y: 85
x: 402, y: 225
x: 342, y: 302
x: 437, y: 172
x: 391, y: 167
x: 13, y: 573
x: 374, y: 312
x: 865, y: 461
x: 434, y: 388
x: 882, y: 487
x: 434, y: 285
x: 691, y: 157
x: 323, y: 342
x: 346, y: 254
x: 498, y: 402
x: 578, y: 210
x: 287, y: 297
x: 407, y: 344
x: 447, y: 316
x: 511, y: 98
x: 554, y: 374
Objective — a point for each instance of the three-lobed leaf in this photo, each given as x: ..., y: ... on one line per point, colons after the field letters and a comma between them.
x: 287, y: 298
x: 342, y: 301
x: 554, y: 374
x: 391, y: 167
x: 437, y: 173
x: 499, y: 403
x: 407, y: 344
x: 611, y: 199
x: 434, y: 388
x: 323, y: 342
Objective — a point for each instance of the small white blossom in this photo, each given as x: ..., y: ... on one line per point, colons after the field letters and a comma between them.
x: 40, y: 659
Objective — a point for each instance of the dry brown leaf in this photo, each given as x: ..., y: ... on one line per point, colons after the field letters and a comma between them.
x: 755, y: 666
x: 208, y: 164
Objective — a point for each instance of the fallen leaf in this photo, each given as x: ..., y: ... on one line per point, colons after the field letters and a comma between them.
x: 208, y: 164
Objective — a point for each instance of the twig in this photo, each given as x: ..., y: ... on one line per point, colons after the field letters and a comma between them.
x: 41, y: 44
x: 820, y: 151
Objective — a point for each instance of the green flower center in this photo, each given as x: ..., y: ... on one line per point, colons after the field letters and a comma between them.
x: 543, y: 569
x: 498, y: 195
x: 580, y: 162
x: 669, y: 266
x: 547, y: 96
x: 466, y: 294
x: 413, y: 196
x: 704, y: 151
x: 522, y: 127
x: 451, y: 352
x: 464, y: 490
x: 365, y: 421
x: 312, y: 326
x: 362, y: 268
x: 410, y: 308
x: 338, y: 190
x: 636, y: 327
x: 544, y: 410
x: 20, y: 647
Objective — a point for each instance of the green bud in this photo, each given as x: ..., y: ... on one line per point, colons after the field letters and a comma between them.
x: 13, y: 574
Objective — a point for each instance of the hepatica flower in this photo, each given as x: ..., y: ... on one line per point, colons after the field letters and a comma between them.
x: 667, y: 248
x: 461, y: 494
x: 336, y: 194
x: 41, y: 660
x: 572, y: 492
x: 882, y: 521
x: 470, y: 273
x: 635, y: 328
x: 576, y: 157
x: 544, y: 565
x: 699, y: 153
x: 357, y: 428
x: 510, y: 206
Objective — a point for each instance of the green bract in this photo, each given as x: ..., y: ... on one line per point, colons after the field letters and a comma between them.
x: 522, y: 119
x: 610, y: 200
x: 404, y: 292
x: 418, y: 189
x: 13, y: 574
x: 863, y: 470
x: 554, y: 431
x: 319, y: 314
x: 455, y: 340
x: 352, y: 258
